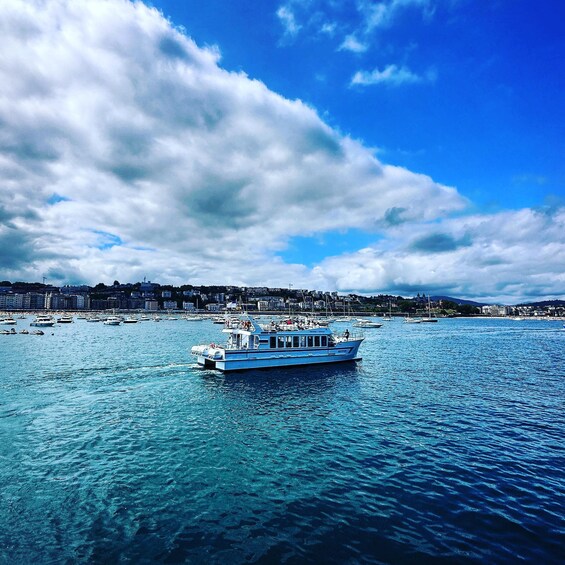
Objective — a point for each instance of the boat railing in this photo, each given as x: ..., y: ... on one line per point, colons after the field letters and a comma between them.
x: 352, y: 335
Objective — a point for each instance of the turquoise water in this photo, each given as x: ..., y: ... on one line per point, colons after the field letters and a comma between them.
x: 445, y: 444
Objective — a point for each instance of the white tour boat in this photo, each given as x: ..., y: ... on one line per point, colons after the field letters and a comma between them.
x: 112, y: 321
x: 253, y: 346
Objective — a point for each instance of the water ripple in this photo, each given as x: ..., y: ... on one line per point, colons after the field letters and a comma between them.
x: 444, y: 444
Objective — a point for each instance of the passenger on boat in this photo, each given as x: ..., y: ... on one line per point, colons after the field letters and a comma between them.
x: 346, y: 334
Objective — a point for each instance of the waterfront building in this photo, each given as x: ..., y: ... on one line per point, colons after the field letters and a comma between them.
x: 494, y: 310
x: 151, y: 305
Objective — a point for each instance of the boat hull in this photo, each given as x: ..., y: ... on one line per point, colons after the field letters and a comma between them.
x: 226, y: 360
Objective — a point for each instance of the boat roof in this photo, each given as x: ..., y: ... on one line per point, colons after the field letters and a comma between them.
x: 288, y: 327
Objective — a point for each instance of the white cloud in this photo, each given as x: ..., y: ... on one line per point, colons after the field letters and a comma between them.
x: 504, y: 257
x: 288, y: 20
x: 391, y: 74
x: 328, y: 28
x: 116, y: 123
x: 351, y: 43
x: 127, y: 151
x: 357, y: 27
x: 383, y: 14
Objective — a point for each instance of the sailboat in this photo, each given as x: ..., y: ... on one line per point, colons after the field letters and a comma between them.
x: 429, y: 317
x: 388, y: 317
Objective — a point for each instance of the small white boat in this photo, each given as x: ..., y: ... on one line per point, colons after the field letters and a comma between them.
x: 8, y: 321
x: 130, y: 320
x: 112, y: 321
x: 429, y: 318
x: 409, y: 320
x: 367, y: 324
x: 65, y: 320
x: 388, y: 317
x: 43, y: 321
x: 194, y: 318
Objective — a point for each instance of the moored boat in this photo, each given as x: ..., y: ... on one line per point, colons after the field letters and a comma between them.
x: 193, y: 318
x: 112, y: 321
x: 429, y: 318
x: 43, y: 321
x: 367, y: 324
x: 253, y: 346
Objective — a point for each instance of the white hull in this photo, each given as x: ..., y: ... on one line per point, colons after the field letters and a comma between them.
x: 251, y: 346
x: 241, y: 360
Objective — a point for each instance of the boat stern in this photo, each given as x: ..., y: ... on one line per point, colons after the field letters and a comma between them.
x: 208, y: 355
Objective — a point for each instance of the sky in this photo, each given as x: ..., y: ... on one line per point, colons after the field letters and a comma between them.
x: 391, y: 146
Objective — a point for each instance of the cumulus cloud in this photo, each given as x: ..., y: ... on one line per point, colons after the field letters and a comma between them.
x: 504, y: 257
x: 126, y: 150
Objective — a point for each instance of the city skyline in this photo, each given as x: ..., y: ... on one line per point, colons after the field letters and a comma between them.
x: 389, y: 147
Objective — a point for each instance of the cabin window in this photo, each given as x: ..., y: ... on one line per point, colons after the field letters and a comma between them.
x: 324, y: 341
x: 295, y: 341
x: 310, y: 341
x: 281, y: 341
x: 273, y: 342
x: 317, y: 341
x: 289, y: 341
x: 302, y: 341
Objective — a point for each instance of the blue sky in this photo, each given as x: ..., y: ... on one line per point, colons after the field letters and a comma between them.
x: 490, y: 119
x: 486, y: 113
x: 394, y: 146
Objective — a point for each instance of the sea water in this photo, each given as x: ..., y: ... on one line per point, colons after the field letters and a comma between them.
x: 444, y: 444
